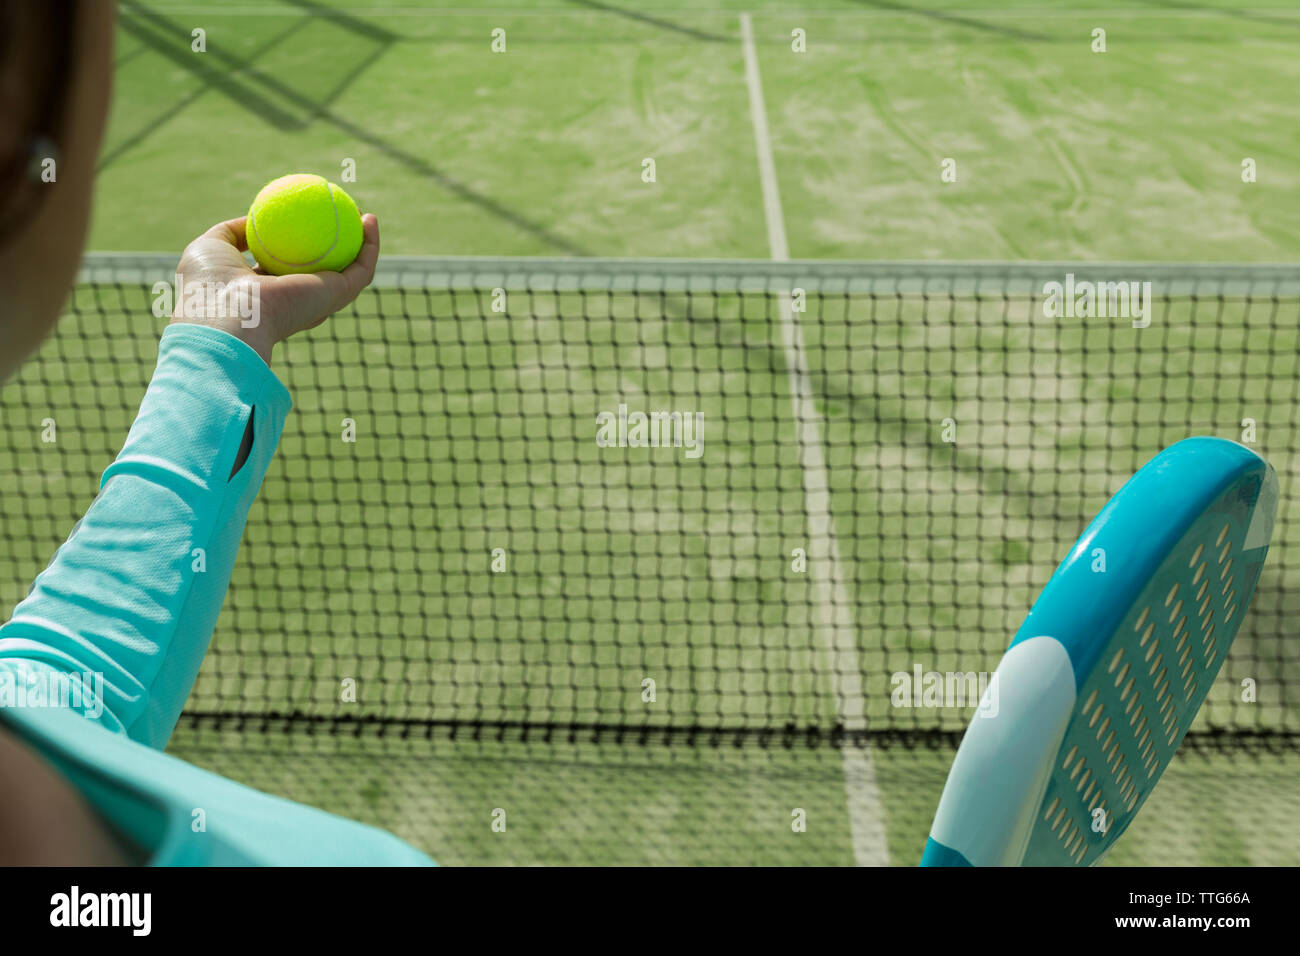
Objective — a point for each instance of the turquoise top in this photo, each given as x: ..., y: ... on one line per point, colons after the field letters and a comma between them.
x: 97, y: 661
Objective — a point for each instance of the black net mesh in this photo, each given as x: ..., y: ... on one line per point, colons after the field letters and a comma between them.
x: 851, y: 472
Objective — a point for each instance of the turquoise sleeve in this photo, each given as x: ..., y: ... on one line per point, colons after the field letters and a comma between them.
x: 122, y: 597
x: 125, y: 610
x: 180, y: 815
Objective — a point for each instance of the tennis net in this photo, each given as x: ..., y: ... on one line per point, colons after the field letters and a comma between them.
x: 698, y: 501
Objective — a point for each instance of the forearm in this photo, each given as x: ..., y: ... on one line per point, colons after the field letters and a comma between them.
x: 135, y: 591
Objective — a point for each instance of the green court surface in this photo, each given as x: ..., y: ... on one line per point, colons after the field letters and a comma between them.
x: 1062, y: 153
x: 370, y: 560
x: 576, y: 804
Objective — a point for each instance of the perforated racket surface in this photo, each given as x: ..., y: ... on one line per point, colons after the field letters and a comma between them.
x: 1100, y: 684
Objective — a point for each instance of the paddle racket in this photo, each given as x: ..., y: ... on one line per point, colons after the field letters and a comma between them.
x: 1098, y: 687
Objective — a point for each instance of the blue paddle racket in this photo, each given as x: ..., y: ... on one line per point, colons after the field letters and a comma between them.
x: 1100, y: 684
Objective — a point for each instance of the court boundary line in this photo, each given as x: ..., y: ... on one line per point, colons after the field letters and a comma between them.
x: 835, y: 625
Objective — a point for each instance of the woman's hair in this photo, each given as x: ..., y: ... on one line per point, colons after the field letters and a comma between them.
x: 36, y: 63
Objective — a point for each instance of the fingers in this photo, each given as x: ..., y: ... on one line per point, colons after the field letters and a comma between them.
x: 362, y: 271
x: 342, y: 287
x: 217, y: 254
x: 231, y: 231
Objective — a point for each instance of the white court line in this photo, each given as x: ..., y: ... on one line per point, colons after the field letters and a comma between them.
x: 776, y: 241
x: 835, y: 625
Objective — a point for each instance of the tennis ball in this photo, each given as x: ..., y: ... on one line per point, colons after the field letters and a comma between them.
x: 303, y: 223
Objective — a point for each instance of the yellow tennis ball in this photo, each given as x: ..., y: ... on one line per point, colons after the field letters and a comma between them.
x: 303, y: 223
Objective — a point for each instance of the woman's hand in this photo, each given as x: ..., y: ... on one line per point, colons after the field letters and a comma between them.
x: 280, y: 305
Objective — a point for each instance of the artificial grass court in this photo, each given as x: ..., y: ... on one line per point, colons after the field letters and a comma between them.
x: 474, y: 424
x: 368, y: 561
x: 585, y: 803
x: 1062, y: 153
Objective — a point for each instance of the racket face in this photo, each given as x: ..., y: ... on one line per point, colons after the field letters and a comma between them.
x: 1103, y: 680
